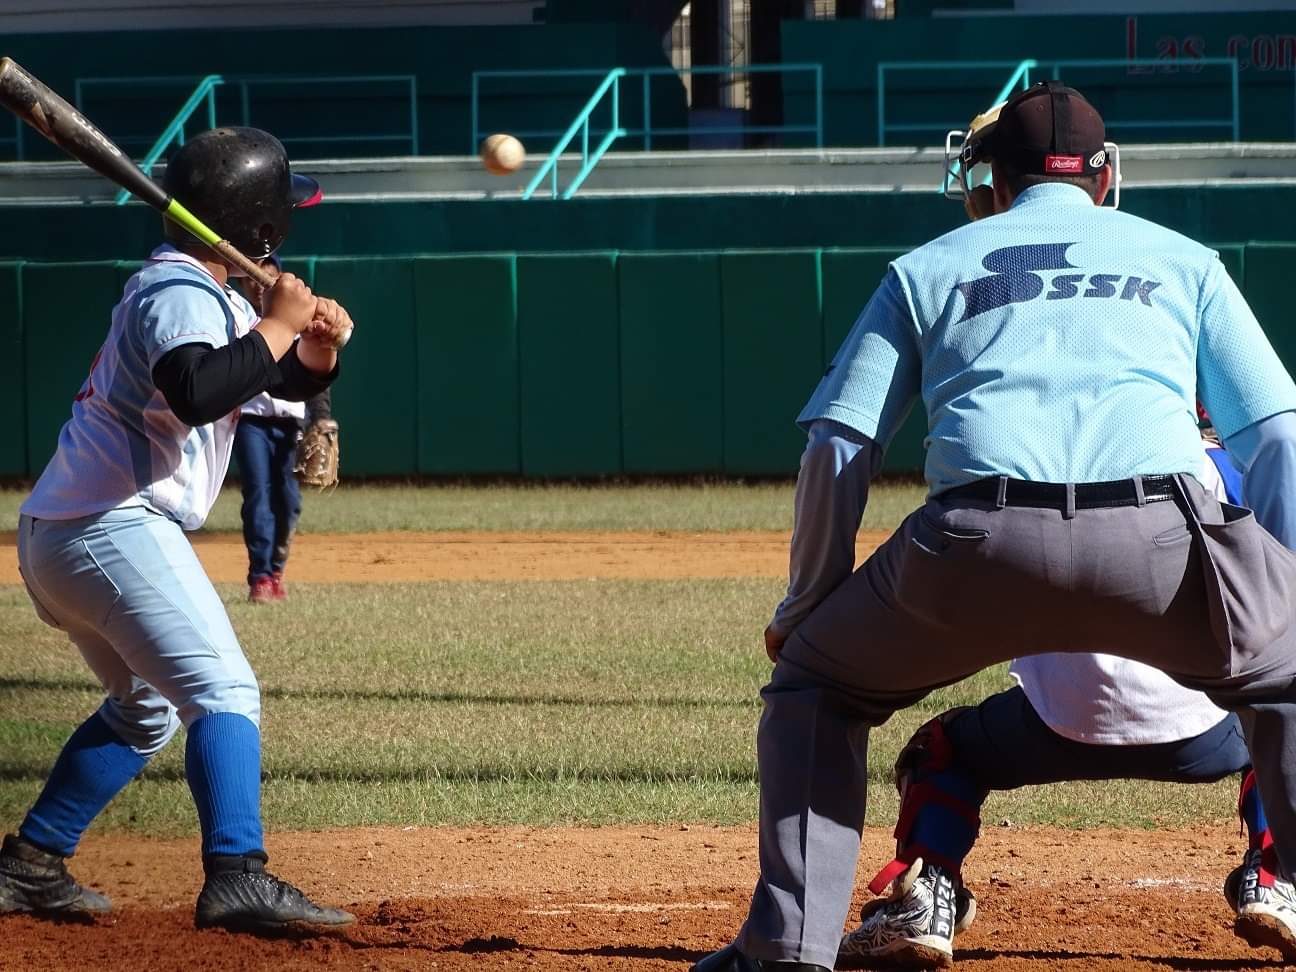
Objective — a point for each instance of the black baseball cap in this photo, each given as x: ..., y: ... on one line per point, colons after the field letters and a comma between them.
x: 1048, y: 129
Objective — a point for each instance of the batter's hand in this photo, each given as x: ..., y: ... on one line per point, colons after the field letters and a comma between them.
x: 290, y: 302
x: 773, y: 643
x: 331, y: 327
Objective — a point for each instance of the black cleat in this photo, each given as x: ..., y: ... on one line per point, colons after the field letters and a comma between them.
x: 241, y: 895
x: 729, y: 959
x: 37, y: 881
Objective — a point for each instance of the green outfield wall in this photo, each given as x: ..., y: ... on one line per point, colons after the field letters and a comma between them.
x: 543, y: 365
x: 1233, y: 214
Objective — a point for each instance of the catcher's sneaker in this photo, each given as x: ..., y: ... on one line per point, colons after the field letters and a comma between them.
x: 729, y: 959
x: 34, y: 880
x: 241, y: 895
x: 914, y: 926
x: 1266, y: 915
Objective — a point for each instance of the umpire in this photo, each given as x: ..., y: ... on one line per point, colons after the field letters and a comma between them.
x: 1058, y: 347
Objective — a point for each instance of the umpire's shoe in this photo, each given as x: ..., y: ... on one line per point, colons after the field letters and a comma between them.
x: 37, y: 881
x: 729, y: 959
x: 914, y: 926
x: 1266, y: 909
x: 241, y: 895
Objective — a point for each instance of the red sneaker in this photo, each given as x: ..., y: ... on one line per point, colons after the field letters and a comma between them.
x: 278, y: 589
x: 262, y: 590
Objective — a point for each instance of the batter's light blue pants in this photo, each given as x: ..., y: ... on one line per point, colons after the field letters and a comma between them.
x: 132, y: 596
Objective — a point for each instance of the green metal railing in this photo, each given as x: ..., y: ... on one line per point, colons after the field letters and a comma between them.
x: 582, y: 124
x: 175, y: 131
x: 611, y: 82
x: 1054, y: 69
x: 407, y: 81
x: 205, y: 90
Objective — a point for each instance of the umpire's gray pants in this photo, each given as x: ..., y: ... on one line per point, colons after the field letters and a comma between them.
x: 965, y: 584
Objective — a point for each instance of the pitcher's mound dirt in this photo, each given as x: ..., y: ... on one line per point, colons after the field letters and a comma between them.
x: 639, y: 898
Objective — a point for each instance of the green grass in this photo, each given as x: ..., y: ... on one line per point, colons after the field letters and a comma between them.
x: 591, y: 702
x: 661, y: 506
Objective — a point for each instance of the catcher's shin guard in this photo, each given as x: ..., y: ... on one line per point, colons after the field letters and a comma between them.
x: 939, y: 806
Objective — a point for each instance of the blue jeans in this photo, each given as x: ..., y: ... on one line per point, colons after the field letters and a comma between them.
x: 266, y: 451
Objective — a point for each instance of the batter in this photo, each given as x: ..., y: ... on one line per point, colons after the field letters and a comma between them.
x: 102, y: 550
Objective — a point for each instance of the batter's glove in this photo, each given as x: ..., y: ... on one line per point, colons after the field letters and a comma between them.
x: 318, y: 454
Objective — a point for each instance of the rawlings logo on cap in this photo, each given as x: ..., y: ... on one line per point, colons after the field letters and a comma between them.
x: 1098, y: 159
x: 1064, y: 163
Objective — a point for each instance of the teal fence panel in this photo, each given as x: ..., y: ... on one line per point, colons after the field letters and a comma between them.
x: 13, y: 380
x: 1234, y: 260
x: 1267, y: 284
x: 571, y: 389
x: 849, y: 279
x: 467, y: 365
x: 773, y: 356
x: 375, y: 400
x: 672, y: 363
x: 67, y: 310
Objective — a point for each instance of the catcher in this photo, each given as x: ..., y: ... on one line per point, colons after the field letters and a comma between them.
x: 272, y: 450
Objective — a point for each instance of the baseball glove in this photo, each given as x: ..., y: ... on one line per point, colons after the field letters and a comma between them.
x: 318, y: 454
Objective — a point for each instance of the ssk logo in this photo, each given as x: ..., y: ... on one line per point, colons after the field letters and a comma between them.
x: 1015, y: 279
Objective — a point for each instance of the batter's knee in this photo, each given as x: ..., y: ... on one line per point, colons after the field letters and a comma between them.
x: 239, y: 695
x: 144, y: 721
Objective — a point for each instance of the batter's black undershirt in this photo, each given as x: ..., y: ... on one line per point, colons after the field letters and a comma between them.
x: 202, y: 383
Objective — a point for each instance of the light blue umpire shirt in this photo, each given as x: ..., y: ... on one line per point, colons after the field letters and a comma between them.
x: 1075, y: 356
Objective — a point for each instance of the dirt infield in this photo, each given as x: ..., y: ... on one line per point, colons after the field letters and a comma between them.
x: 408, y: 557
x: 638, y: 898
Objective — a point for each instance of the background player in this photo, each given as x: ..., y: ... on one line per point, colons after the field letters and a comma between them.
x: 104, y: 558
x: 265, y: 446
x: 1079, y: 716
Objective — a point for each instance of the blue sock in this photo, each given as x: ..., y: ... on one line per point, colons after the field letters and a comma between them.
x: 1253, y: 816
x: 93, y: 767
x: 223, y: 764
x: 942, y: 829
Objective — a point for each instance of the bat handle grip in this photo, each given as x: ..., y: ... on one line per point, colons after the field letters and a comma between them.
x: 261, y: 275
x: 253, y: 269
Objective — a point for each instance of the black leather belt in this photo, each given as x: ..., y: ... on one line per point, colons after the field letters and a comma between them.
x: 1088, y: 496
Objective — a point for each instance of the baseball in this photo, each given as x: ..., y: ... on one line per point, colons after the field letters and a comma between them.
x: 502, y: 154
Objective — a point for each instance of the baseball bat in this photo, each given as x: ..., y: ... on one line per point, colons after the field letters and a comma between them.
x: 42, y: 109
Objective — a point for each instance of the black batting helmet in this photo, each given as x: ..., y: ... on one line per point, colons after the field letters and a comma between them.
x: 238, y: 182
